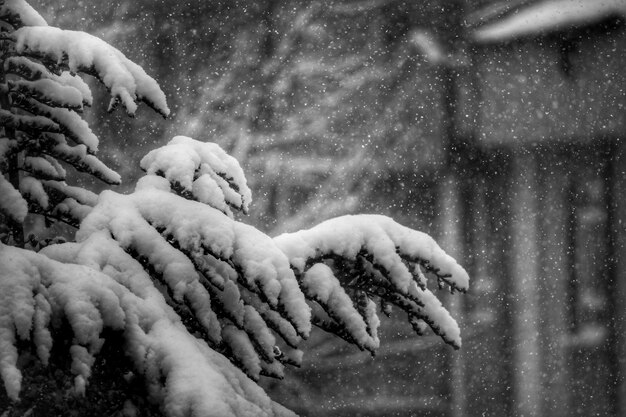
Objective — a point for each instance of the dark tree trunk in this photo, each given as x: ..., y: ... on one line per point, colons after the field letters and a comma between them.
x: 17, y: 231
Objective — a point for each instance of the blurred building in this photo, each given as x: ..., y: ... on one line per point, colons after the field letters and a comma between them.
x: 544, y: 219
x: 530, y: 195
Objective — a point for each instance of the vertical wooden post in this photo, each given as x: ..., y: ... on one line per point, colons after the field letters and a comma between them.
x: 614, y: 197
x: 452, y: 239
x: 453, y: 223
x: 555, y: 276
x: 524, y: 280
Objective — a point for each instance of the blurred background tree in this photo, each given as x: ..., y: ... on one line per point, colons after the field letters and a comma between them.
x: 333, y: 98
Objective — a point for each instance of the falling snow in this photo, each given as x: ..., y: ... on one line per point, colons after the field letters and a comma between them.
x: 300, y: 185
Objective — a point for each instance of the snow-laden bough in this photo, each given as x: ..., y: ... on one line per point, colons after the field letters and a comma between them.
x: 114, y: 292
x: 386, y: 260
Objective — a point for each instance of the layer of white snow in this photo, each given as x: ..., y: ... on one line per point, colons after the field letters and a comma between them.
x: 45, y: 167
x: 6, y: 145
x: 31, y: 70
x: 79, y: 157
x: 319, y: 283
x: 380, y: 236
x: 202, y: 169
x: 127, y: 82
x: 33, y: 190
x: 12, y: 204
x: 69, y: 122
x: 79, y: 194
x: 24, y: 12
x: 183, y: 374
x: 49, y: 92
x: 26, y: 122
x: 385, y: 250
x: 198, y: 230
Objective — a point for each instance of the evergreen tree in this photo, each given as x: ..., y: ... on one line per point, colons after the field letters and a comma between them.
x: 164, y: 281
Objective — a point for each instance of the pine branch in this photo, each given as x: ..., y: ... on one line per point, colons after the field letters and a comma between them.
x: 31, y: 125
x: 51, y: 215
x: 337, y: 329
x: 183, y: 310
x: 76, y: 156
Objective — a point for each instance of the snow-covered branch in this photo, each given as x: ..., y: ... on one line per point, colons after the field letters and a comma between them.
x: 127, y: 82
x: 19, y: 13
x: 207, y: 262
x: 113, y: 292
x: 376, y: 257
x: 201, y: 171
